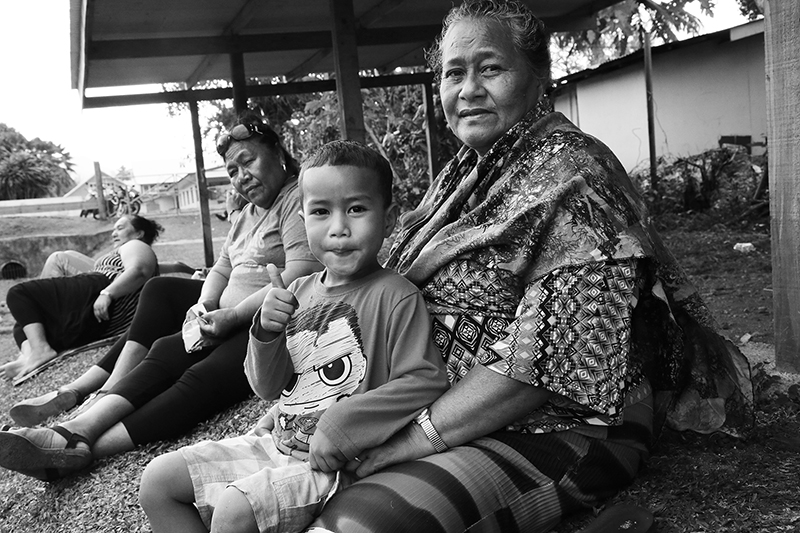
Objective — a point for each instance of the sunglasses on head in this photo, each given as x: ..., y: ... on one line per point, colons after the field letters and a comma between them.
x: 242, y: 132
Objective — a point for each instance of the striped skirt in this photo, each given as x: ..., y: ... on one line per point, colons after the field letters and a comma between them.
x: 506, y: 482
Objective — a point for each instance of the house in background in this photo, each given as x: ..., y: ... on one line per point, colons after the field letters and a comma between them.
x: 188, y: 195
x: 156, y: 192
x: 86, y: 187
x: 706, y: 90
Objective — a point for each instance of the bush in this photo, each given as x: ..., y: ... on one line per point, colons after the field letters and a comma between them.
x: 721, y: 183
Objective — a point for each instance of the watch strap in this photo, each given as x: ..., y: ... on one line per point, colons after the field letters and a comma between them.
x: 424, y: 421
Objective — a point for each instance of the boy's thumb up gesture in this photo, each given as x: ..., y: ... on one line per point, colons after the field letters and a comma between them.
x: 279, y: 304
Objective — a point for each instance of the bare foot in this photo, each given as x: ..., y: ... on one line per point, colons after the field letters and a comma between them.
x: 10, y: 370
x: 27, y: 361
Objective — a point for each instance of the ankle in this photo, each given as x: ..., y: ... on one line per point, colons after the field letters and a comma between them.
x: 79, y: 396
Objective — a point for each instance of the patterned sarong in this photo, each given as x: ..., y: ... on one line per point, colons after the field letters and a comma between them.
x: 539, y: 262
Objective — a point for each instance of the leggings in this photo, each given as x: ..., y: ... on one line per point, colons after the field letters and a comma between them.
x: 64, y: 306
x: 161, y: 310
x: 66, y: 263
x: 171, y: 390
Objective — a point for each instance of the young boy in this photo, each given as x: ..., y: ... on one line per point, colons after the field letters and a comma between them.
x: 348, y: 350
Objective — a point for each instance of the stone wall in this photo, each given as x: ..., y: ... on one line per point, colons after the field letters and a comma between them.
x: 32, y: 252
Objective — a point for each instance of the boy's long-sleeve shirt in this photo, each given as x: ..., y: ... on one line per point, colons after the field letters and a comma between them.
x: 356, y: 360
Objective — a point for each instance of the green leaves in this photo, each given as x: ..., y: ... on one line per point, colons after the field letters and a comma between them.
x: 617, y: 32
x: 32, y: 169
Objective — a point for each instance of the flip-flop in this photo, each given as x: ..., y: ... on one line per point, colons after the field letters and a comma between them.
x: 621, y: 518
x: 20, y: 454
x: 34, y: 411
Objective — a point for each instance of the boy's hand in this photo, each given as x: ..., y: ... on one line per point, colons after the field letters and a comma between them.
x: 323, y: 454
x: 266, y: 423
x: 279, y: 304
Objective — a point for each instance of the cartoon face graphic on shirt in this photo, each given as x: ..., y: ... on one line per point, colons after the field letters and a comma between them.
x: 328, y: 357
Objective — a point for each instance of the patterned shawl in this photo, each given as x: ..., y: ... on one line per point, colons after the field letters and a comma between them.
x: 548, y: 196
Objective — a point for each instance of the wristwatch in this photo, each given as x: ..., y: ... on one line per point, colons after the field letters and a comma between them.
x: 423, y: 420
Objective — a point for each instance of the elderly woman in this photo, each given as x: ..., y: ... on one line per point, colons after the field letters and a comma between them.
x: 172, y: 390
x: 78, y: 300
x: 554, y: 303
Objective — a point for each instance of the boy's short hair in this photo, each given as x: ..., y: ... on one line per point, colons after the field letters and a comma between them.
x: 352, y: 153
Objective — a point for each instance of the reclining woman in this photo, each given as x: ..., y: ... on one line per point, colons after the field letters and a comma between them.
x: 556, y: 305
x: 170, y: 390
x: 78, y: 300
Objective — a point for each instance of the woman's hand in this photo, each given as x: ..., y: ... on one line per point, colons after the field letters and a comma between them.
x: 219, y: 323
x: 101, y: 307
x: 406, y: 445
x: 481, y: 403
x: 139, y: 263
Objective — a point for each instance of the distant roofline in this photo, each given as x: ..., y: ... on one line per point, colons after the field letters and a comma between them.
x: 736, y: 33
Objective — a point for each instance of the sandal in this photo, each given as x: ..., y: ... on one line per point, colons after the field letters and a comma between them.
x: 621, y: 518
x: 34, y: 411
x: 19, y: 452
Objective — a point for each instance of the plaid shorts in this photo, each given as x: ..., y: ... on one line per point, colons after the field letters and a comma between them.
x: 283, y: 491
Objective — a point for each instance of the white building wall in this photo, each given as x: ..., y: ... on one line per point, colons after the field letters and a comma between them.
x: 612, y: 107
x: 701, y: 91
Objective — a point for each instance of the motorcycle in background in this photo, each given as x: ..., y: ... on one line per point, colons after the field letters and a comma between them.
x: 120, y: 201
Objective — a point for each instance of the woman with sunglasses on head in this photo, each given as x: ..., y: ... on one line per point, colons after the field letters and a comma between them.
x: 156, y: 389
x: 77, y: 299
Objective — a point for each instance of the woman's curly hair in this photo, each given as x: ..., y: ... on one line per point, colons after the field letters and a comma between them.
x: 526, y: 29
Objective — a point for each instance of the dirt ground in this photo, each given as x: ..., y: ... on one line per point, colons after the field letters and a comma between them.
x: 737, y: 286
x: 692, y: 483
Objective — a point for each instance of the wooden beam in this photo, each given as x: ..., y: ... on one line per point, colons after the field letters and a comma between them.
x: 348, y: 87
x: 99, y: 191
x: 87, y: 22
x: 378, y: 12
x: 236, y: 24
x: 239, y: 83
x: 228, y: 44
x: 299, y: 87
x: 202, y: 187
x: 782, y: 41
x: 651, y: 114
x: 308, y: 65
x: 431, y: 133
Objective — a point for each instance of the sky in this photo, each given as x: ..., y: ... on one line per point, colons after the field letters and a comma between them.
x: 37, y: 99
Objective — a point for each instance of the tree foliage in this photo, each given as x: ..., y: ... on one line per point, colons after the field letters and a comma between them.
x: 752, y: 9
x: 394, y: 118
x: 618, y: 31
x: 32, y: 169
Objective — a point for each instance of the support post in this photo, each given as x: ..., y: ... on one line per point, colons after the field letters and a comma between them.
x: 782, y: 40
x: 431, y: 132
x: 348, y: 85
x: 239, y: 83
x: 102, y: 207
x: 202, y: 187
x: 651, y: 121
